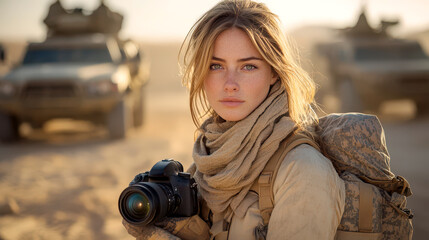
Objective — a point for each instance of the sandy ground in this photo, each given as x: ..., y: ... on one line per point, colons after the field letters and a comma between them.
x: 67, y: 178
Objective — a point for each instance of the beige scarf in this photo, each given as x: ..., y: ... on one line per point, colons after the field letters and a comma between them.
x: 229, y: 156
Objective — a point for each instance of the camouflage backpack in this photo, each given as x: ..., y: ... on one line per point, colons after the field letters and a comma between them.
x: 375, y: 204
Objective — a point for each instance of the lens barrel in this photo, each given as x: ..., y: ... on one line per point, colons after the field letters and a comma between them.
x: 143, y: 203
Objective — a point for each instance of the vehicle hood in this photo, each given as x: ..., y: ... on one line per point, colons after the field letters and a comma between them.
x: 79, y: 72
x: 398, y: 67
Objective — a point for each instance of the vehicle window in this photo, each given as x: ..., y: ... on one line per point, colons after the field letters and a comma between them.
x: 82, y: 55
x: 123, y: 55
x: 341, y: 54
x: 407, y: 52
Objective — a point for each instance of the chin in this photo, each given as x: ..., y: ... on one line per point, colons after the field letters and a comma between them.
x: 232, y: 117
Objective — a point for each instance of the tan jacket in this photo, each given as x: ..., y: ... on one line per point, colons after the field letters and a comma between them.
x: 308, y: 203
x: 308, y: 200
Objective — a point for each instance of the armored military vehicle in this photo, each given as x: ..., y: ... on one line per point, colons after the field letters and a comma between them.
x: 83, y: 70
x: 368, y: 66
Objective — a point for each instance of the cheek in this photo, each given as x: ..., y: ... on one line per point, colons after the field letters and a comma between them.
x: 262, y: 91
x: 264, y: 82
x: 261, y: 88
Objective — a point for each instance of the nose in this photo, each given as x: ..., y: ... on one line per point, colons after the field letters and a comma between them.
x: 231, y: 84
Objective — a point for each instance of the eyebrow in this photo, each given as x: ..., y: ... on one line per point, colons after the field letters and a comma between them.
x: 239, y: 60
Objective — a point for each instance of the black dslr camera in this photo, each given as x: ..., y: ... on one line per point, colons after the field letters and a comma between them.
x: 165, y: 190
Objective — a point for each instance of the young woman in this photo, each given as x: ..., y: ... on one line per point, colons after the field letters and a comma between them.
x: 244, y: 79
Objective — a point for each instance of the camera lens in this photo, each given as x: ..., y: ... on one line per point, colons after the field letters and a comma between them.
x: 143, y: 203
x: 138, y: 204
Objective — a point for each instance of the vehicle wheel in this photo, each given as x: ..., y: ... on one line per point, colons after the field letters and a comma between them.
x: 117, y: 121
x: 422, y: 108
x: 37, y: 125
x: 9, y: 128
x: 138, y: 110
x: 349, y: 98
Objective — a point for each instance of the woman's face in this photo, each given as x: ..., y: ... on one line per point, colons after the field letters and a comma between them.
x: 239, y: 78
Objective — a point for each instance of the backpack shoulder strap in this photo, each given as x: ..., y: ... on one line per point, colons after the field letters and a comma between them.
x: 264, y: 184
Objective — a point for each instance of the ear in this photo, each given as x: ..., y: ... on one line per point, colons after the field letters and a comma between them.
x: 274, y: 78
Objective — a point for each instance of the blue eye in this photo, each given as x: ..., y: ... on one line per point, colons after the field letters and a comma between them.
x: 215, y: 66
x: 249, y: 67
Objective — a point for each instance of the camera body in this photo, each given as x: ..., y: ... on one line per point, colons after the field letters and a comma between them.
x: 165, y: 190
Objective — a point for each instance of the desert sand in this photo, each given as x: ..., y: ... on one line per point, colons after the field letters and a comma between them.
x: 64, y: 181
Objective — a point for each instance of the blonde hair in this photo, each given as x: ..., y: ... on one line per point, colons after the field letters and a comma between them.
x: 263, y: 28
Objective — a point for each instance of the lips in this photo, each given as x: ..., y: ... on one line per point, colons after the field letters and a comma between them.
x: 231, y: 102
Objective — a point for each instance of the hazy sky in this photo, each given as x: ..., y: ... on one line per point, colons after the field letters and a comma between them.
x: 171, y: 19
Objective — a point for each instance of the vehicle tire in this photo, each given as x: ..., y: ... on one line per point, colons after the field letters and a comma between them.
x: 9, y: 128
x: 350, y: 100
x: 37, y: 125
x: 138, y: 110
x: 117, y: 121
x: 422, y: 108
